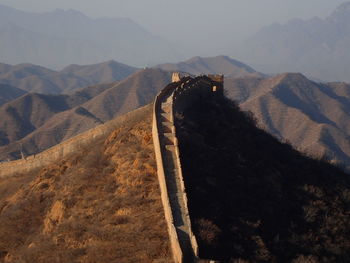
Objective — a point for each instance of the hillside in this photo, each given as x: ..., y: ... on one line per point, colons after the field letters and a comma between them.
x: 36, y: 122
x: 255, y: 199
x: 212, y: 65
x: 99, y: 203
x: 33, y: 78
x: 313, y: 117
x: 61, y: 37
x: 8, y: 93
x: 317, y: 47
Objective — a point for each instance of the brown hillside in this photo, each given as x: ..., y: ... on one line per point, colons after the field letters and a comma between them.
x: 137, y: 90
x: 100, y: 204
x: 106, y: 72
x: 314, y: 117
x: 79, y: 112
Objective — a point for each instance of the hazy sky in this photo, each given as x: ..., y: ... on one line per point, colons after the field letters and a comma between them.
x: 224, y: 20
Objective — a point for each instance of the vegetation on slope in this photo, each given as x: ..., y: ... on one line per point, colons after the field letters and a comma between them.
x: 101, y: 204
x: 254, y: 198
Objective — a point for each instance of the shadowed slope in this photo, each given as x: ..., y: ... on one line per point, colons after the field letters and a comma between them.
x: 254, y: 198
x: 101, y: 203
x: 8, y: 93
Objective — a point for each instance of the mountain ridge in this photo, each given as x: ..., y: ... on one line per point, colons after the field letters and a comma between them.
x: 317, y: 47
x: 34, y: 78
x: 62, y: 37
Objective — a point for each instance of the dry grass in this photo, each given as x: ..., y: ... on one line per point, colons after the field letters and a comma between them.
x: 100, y: 205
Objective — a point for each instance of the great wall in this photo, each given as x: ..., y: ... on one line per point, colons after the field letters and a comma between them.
x: 172, y: 100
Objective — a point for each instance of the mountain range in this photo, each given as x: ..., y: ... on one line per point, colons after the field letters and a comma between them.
x: 35, y: 122
x: 313, y: 117
x: 62, y: 37
x: 34, y: 78
x: 316, y: 47
x: 212, y: 65
x: 38, y: 120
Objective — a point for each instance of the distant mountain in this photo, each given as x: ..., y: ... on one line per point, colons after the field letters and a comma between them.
x: 35, y: 78
x: 137, y: 90
x: 212, y: 65
x: 316, y: 47
x: 62, y: 37
x: 314, y: 117
x: 8, y: 93
x: 35, y: 122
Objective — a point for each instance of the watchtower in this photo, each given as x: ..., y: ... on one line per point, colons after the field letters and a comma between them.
x: 175, y: 77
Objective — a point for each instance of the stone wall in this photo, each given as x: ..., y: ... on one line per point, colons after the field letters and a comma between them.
x: 184, y: 92
x: 174, y: 240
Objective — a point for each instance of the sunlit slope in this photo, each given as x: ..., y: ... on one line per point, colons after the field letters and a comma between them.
x: 100, y: 203
x: 314, y: 117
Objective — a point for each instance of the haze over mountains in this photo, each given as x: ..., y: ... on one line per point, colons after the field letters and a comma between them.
x: 317, y: 47
x: 212, y: 65
x: 59, y: 38
x: 33, y: 78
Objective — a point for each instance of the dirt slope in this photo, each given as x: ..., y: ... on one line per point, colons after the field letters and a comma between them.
x: 99, y: 204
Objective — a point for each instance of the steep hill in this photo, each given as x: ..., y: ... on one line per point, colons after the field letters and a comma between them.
x: 36, y: 122
x: 212, y: 65
x: 99, y: 203
x: 137, y: 90
x: 255, y: 199
x: 8, y: 93
x: 317, y: 47
x: 62, y: 37
x: 35, y: 78
x: 314, y: 117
